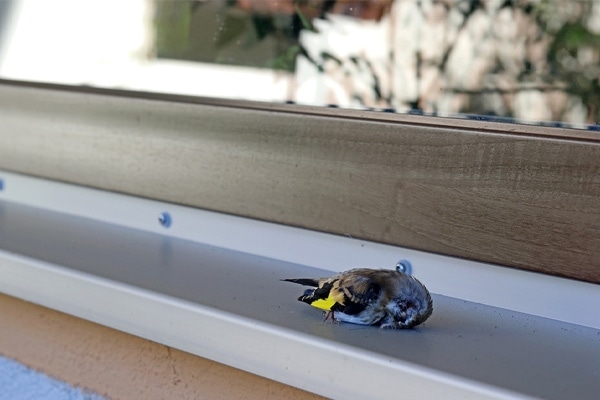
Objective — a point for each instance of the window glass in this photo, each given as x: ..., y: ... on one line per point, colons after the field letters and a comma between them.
x: 532, y: 61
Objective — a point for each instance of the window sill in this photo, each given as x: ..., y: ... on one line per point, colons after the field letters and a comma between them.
x: 229, y: 306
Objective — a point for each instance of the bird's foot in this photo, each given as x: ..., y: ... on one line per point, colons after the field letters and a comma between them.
x: 330, y: 314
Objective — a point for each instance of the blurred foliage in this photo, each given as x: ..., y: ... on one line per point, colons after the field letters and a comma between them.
x: 574, y: 50
x: 220, y: 32
x: 172, y: 24
x: 235, y: 37
x: 574, y: 58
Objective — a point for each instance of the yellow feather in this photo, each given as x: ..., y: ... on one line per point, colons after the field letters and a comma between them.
x: 335, y: 296
x: 323, y: 304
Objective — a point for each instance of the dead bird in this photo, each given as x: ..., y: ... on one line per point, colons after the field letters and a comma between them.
x: 390, y: 299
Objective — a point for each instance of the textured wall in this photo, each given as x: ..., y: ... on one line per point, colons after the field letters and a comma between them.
x: 118, y: 365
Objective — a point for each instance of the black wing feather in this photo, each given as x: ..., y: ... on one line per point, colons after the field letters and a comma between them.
x: 355, y: 302
x: 304, y: 281
x: 319, y: 293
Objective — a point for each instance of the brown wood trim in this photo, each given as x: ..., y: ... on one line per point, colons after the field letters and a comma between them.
x: 520, y: 129
x: 515, y: 195
x: 118, y: 365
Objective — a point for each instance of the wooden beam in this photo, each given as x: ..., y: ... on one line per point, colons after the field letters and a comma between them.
x: 515, y: 195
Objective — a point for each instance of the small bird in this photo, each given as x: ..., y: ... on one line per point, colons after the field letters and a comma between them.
x: 390, y: 299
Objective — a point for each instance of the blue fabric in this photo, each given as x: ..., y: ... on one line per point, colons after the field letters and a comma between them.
x: 18, y: 382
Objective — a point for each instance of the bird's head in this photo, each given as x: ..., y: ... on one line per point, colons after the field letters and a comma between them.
x: 412, y: 304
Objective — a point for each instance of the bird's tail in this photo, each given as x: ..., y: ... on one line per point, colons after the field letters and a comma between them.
x: 304, y: 281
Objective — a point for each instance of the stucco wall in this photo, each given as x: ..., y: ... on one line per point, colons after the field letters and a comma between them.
x: 118, y: 365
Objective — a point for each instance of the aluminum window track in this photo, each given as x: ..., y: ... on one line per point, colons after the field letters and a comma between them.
x: 209, y: 284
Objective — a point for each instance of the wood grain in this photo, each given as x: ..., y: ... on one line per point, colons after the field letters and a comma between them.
x: 499, y: 194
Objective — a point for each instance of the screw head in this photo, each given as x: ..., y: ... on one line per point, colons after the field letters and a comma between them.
x: 404, y: 266
x: 165, y: 219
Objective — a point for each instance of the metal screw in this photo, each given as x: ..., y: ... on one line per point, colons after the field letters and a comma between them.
x: 404, y: 266
x: 165, y: 219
